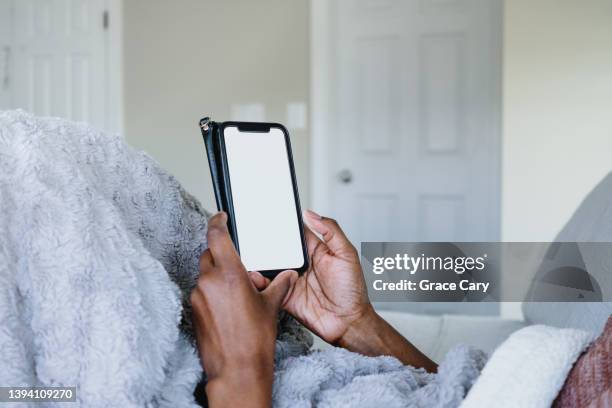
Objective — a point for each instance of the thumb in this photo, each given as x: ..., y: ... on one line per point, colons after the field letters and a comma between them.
x: 277, y: 291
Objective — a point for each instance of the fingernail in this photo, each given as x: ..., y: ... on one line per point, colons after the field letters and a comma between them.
x: 223, y: 215
x: 313, y: 214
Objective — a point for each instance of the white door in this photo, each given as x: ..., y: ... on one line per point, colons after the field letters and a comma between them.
x: 414, y: 104
x: 59, y: 59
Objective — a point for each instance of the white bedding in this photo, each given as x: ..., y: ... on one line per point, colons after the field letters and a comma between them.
x: 528, y: 369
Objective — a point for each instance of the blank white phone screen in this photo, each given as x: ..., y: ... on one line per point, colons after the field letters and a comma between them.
x: 264, y: 203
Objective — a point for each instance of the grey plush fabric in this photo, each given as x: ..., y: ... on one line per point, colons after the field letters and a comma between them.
x: 339, y: 378
x: 99, y: 250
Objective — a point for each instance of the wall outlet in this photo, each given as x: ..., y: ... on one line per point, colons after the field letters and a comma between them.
x: 297, y: 116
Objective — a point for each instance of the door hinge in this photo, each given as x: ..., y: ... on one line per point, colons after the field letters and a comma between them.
x: 105, y: 19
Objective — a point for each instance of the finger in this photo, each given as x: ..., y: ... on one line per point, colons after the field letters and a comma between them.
x: 277, y: 292
x: 219, y: 241
x: 206, y: 261
x: 312, y: 241
x: 316, y: 247
x: 260, y: 281
x: 330, y: 231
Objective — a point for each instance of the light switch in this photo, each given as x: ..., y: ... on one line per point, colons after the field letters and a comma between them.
x: 297, y: 116
x: 248, y: 112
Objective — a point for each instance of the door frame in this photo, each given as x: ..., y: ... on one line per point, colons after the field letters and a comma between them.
x: 322, y: 105
x: 115, y: 85
x: 321, y: 48
x: 114, y: 66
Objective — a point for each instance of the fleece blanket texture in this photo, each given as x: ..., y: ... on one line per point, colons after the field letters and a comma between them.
x: 99, y: 250
x: 529, y: 369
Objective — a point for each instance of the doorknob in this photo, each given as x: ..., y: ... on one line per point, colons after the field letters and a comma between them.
x: 345, y: 176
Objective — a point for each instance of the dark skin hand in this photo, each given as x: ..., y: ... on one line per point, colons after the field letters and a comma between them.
x: 235, y: 324
x: 235, y: 313
x: 331, y: 299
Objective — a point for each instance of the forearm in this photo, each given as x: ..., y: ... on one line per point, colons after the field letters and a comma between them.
x: 242, y: 388
x: 371, y: 335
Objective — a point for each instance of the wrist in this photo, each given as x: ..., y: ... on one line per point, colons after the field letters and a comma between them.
x: 245, y: 385
x: 362, y: 327
x: 251, y: 368
x: 373, y: 336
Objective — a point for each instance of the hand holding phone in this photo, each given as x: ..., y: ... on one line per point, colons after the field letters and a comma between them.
x: 235, y: 339
x: 254, y: 180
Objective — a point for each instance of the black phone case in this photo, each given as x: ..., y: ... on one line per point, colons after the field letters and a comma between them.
x: 217, y: 162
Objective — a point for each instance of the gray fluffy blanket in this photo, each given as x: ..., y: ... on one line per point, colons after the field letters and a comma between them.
x: 99, y: 249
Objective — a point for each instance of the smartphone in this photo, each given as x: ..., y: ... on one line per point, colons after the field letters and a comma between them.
x: 256, y: 177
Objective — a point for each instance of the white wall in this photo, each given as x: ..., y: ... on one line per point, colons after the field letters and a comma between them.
x: 5, y: 40
x: 557, y: 115
x: 557, y: 92
x: 187, y: 58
